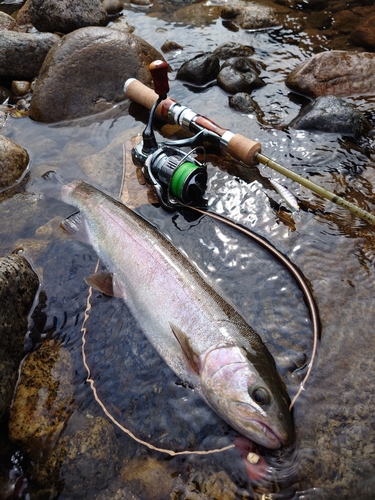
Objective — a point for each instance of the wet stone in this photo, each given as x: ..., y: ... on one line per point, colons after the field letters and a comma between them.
x: 22, y: 54
x: 112, y: 6
x: 64, y: 16
x: 20, y: 87
x: 71, y: 83
x: 364, y: 34
x: 337, y: 72
x: 200, y: 70
x: 143, y: 473
x: 250, y: 16
x: 233, y: 80
x: 13, y: 162
x: 7, y: 22
x: 244, y: 103
x: 170, y: 45
x: 331, y: 114
x: 85, y: 458
x: 43, y: 399
x: 233, y: 49
x: 18, y: 286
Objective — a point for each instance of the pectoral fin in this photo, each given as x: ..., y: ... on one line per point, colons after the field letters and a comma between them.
x: 76, y: 226
x: 190, y: 354
x: 105, y: 283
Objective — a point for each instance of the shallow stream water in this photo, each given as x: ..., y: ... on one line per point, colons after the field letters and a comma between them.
x: 335, y: 251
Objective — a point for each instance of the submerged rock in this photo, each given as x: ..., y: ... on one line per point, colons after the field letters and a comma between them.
x: 85, y: 73
x: 42, y: 403
x: 245, y: 104
x: 250, y: 16
x: 22, y: 54
x: 239, y: 74
x: 331, y: 114
x: 13, y: 162
x: 233, y: 49
x: 18, y: 286
x: 337, y: 72
x: 200, y: 70
x: 65, y: 16
x: 85, y: 458
x: 364, y: 34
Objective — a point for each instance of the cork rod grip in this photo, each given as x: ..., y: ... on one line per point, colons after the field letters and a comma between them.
x: 141, y: 94
x: 243, y: 149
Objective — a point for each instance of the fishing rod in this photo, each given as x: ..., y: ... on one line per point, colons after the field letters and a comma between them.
x: 176, y: 174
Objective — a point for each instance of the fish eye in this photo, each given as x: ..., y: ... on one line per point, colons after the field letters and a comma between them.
x: 261, y: 396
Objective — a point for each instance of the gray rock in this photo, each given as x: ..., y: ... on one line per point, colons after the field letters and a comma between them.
x: 200, y: 70
x: 22, y: 54
x: 233, y: 80
x: 244, y: 103
x: 331, y: 114
x: 65, y: 16
x: 85, y: 73
x: 18, y: 286
x: 13, y: 162
x: 233, y: 49
x: 251, y: 16
x: 337, y: 72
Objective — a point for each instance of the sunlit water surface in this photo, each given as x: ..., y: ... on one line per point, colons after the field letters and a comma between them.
x: 334, y: 416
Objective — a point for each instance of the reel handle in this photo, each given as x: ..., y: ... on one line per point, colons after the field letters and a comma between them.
x: 159, y: 73
x: 241, y: 148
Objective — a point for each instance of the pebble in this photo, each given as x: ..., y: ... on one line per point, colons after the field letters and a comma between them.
x: 20, y: 87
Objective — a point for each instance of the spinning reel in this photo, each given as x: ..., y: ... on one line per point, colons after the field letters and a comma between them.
x: 175, y: 175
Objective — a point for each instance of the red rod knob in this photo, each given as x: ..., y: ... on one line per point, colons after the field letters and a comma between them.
x: 159, y: 73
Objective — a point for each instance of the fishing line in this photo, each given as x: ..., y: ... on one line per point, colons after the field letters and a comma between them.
x: 294, y: 271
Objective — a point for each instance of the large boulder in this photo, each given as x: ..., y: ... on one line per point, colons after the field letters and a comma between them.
x: 22, y: 54
x: 337, y: 72
x: 18, y: 286
x: 66, y: 15
x: 85, y: 73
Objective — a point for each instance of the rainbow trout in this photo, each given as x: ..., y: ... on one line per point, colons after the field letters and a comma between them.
x: 198, y: 334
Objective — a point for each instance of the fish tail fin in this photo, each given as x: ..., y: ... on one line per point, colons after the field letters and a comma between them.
x: 50, y: 184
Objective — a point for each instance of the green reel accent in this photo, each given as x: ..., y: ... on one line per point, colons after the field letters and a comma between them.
x: 179, y: 178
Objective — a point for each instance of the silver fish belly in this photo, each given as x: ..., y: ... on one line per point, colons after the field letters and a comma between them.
x: 199, y: 334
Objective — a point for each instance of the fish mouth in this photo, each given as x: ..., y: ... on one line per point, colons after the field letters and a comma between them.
x: 270, y: 435
x: 262, y: 433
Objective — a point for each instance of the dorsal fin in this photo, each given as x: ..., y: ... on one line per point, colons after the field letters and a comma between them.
x: 191, y: 356
x: 104, y: 282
